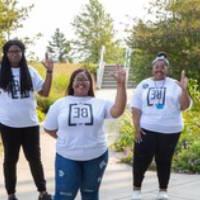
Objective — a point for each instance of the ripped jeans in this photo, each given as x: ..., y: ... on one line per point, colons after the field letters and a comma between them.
x: 84, y: 175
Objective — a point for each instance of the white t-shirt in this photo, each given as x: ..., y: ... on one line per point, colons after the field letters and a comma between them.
x: 19, y: 111
x: 159, y: 103
x: 79, y: 125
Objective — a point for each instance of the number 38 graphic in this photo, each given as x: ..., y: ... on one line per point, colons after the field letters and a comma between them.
x: 80, y: 114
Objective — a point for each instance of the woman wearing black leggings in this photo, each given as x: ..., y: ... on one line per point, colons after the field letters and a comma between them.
x: 156, y: 109
x: 18, y: 118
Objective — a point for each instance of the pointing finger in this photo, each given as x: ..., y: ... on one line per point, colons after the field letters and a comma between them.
x: 182, y: 74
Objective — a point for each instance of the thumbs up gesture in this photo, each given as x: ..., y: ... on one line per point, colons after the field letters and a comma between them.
x: 183, y: 83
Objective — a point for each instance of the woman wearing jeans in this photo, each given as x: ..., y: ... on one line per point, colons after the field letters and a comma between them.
x: 18, y: 119
x: 76, y: 121
x: 156, y: 107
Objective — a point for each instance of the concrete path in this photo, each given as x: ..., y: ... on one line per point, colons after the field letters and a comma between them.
x: 116, y: 183
x: 109, y: 94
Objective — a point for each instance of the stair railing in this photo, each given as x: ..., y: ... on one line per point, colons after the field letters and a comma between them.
x: 127, y: 62
x: 100, y: 70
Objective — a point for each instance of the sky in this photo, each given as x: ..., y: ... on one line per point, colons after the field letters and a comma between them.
x: 47, y: 15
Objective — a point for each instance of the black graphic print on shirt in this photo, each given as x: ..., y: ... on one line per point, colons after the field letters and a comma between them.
x: 156, y: 97
x: 80, y: 114
x: 16, y: 93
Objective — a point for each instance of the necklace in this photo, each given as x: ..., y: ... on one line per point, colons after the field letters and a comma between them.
x: 160, y: 90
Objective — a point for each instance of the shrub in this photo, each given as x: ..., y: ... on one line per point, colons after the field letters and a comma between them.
x: 126, y: 133
x: 40, y: 115
x: 194, y: 89
x: 188, y: 159
x: 187, y: 153
x: 44, y: 103
x: 58, y: 90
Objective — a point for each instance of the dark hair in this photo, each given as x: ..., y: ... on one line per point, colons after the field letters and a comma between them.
x: 6, y: 77
x: 70, y: 90
x: 162, y: 53
x: 161, y: 56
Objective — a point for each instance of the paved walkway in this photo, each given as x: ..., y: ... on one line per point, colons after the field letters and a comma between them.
x: 109, y: 94
x: 117, y: 182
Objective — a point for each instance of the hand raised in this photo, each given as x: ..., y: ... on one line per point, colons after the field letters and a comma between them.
x: 183, y: 83
x: 119, y: 75
x: 48, y: 63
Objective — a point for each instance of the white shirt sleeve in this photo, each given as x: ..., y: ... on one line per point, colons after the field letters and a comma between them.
x: 136, y: 101
x: 36, y: 80
x: 51, y: 120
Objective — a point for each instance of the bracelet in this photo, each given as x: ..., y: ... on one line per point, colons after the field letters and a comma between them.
x: 50, y: 71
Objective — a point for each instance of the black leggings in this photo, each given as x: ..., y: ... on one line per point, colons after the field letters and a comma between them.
x: 160, y: 145
x: 13, y: 139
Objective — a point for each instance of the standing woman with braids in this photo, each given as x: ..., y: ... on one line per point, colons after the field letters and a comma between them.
x: 18, y: 119
x: 156, y: 107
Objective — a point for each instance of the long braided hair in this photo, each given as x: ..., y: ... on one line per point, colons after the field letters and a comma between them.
x: 6, y: 77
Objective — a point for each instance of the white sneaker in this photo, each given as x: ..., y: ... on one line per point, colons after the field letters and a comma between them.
x: 162, y: 195
x: 136, y: 195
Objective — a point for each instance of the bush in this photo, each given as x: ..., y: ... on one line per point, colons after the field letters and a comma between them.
x: 126, y: 133
x: 194, y: 89
x: 58, y: 90
x: 40, y: 115
x: 188, y: 159
x: 187, y: 155
x: 191, y: 130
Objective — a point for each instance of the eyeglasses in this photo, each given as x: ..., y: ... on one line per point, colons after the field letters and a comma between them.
x: 81, y: 81
x: 14, y: 52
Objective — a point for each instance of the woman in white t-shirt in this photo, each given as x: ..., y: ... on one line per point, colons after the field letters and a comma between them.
x: 18, y: 119
x: 156, y: 109
x: 76, y: 121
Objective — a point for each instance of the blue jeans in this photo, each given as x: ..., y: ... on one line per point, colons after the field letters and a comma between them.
x: 84, y: 175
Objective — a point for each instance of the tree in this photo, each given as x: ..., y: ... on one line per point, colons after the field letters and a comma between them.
x: 29, y: 42
x: 59, y: 47
x: 94, y: 28
x: 174, y: 30
x: 11, y: 18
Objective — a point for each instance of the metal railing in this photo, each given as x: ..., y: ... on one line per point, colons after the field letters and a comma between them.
x: 127, y: 62
x: 100, y: 70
